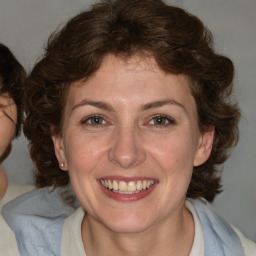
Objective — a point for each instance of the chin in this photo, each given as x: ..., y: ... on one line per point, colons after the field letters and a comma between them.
x: 128, y: 223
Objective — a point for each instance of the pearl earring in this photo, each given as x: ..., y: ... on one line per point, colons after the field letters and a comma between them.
x: 61, y: 165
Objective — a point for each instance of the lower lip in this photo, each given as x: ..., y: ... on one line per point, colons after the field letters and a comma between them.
x: 127, y: 197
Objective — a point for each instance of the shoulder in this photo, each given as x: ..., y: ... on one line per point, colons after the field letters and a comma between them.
x: 37, y: 218
x: 14, y: 191
x: 248, y: 245
x: 46, y: 202
x: 218, y: 234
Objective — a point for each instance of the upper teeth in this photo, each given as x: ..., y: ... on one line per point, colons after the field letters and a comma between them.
x: 127, y: 187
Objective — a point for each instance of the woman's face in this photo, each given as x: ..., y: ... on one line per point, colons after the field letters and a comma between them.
x: 133, y: 129
x: 8, y: 120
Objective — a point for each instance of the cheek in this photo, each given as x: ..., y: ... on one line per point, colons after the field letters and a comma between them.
x: 173, y: 153
x: 3, y: 183
x: 83, y: 154
x: 7, y: 132
x: 84, y: 158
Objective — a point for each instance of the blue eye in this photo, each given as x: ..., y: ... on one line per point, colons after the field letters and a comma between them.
x: 161, y: 120
x: 94, y: 120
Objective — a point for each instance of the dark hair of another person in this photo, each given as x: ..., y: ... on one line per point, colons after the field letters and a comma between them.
x: 12, y: 76
x: 179, y: 43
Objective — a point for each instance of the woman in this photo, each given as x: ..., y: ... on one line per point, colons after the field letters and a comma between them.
x: 131, y: 106
x: 12, y: 76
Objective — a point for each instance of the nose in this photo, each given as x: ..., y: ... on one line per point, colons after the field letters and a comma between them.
x: 126, y: 150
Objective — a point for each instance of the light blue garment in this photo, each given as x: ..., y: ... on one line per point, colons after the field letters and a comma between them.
x: 37, y: 219
x: 219, y: 237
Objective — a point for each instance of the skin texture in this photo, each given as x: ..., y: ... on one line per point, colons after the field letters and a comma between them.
x: 129, y: 143
x: 8, y: 118
x: 3, y: 183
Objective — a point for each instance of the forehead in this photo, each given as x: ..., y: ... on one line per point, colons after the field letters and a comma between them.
x: 128, y: 86
x: 129, y: 76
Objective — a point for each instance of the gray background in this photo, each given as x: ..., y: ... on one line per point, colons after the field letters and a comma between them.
x: 26, y: 24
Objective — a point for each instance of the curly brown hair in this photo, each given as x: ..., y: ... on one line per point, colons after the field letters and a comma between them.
x: 12, y: 76
x: 180, y: 44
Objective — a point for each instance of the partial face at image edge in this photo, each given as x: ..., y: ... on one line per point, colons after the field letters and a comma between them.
x: 8, y: 119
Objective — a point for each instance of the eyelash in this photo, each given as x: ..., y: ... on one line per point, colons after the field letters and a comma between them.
x: 88, y: 121
x: 90, y: 118
x: 165, y: 118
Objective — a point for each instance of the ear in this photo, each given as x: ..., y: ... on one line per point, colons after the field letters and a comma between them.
x: 60, y: 151
x: 204, y: 148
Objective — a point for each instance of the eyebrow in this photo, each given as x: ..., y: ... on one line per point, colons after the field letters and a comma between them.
x: 98, y: 104
x: 107, y: 107
x: 161, y: 103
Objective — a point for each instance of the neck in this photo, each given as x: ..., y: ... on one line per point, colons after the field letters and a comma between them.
x: 171, y: 236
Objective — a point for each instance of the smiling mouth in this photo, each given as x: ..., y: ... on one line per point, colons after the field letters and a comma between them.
x: 131, y: 187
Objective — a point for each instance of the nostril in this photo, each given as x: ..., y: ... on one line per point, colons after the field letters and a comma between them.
x: 127, y: 157
x: 126, y: 151
x: 125, y: 162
